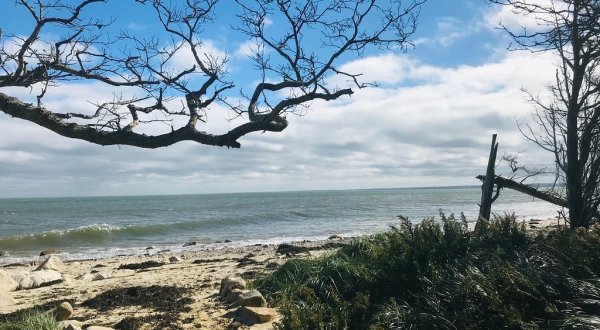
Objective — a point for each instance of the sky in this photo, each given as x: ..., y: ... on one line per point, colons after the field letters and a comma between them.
x: 428, y: 122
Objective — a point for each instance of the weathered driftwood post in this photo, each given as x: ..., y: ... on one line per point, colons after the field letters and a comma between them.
x: 487, y: 189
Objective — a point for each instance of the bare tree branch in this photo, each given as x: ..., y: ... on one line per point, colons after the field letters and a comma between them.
x: 293, y: 64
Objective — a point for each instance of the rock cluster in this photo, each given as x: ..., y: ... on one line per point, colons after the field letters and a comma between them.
x: 47, y: 273
x: 253, y: 306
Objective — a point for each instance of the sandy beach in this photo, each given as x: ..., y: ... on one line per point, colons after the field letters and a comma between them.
x: 198, y: 273
x: 104, y: 292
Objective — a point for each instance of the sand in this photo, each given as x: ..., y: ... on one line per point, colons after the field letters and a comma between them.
x: 199, y: 272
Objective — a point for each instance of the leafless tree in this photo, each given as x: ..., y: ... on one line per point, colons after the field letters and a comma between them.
x: 568, y: 123
x: 293, y: 63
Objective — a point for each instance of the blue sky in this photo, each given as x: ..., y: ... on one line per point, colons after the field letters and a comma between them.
x: 427, y: 124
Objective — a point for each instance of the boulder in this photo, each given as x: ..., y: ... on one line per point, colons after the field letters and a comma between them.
x: 192, y: 243
x: 47, y: 252
x: 63, y: 311
x: 51, y: 263
x: 7, y: 283
x: 95, y: 327
x: 6, y: 300
x: 252, y: 298
x: 335, y: 237
x: 40, y: 278
x: 230, y: 283
x: 70, y: 325
x: 257, y: 314
x: 175, y: 259
x: 235, y: 294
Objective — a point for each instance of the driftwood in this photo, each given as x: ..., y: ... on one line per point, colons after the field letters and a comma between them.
x: 529, y: 190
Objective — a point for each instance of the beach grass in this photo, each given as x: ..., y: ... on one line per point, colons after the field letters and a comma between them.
x: 438, y: 274
x: 32, y: 321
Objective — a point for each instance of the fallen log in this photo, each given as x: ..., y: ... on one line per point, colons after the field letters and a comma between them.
x: 529, y: 190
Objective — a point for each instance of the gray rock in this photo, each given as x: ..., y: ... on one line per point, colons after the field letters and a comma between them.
x: 252, y: 298
x: 174, y: 259
x: 40, y: 278
x: 51, y: 263
x: 63, y: 311
x: 47, y: 252
x: 92, y: 277
x: 6, y: 300
x: 7, y: 283
x: 190, y: 244
x: 234, y: 295
x: 70, y: 325
x: 257, y: 314
x: 230, y: 283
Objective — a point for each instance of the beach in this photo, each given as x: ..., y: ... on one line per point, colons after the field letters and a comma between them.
x: 198, y: 273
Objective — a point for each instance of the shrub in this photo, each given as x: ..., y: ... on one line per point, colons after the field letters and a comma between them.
x: 437, y: 274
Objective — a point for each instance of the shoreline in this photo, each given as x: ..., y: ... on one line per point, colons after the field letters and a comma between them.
x: 199, y: 270
x: 70, y: 253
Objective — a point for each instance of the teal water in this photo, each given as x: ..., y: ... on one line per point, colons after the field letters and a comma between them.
x: 105, y: 226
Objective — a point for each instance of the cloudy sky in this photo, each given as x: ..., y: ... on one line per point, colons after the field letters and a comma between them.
x: 428, y: 123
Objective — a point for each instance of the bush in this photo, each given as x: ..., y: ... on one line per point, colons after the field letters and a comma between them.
x: 440, y: 275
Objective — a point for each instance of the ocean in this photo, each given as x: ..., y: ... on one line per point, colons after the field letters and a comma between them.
x: 94, y: 227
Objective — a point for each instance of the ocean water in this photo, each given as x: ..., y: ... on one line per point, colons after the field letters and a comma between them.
x: 91, y: 227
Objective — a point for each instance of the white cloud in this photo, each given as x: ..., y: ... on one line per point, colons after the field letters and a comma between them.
x: 514, y: 18
x: 426, y: 125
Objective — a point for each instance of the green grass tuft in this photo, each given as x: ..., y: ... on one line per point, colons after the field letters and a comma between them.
x: 32, y: 321
x: 441, y: 275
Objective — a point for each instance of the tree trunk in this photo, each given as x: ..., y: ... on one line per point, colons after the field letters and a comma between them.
x: 487, y: 189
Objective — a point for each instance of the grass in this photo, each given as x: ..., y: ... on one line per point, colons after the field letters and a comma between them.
x: 439, y: 275
x: 32, y: 321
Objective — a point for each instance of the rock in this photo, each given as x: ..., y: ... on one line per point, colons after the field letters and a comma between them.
x: 252, y: 298
x: 51, y: 263
x: 174, y: 259
x: 99, y: 277
x: 63, y: 311
x: 257, y: 314
x: 18, y: 275
x: 40, y: 278
x: 234, y: 295
x: 227, y: 241
x: 285, y: 248
x: 7, y: 283
x: 70, y: 325
x: 335, y: 236
x: 3, y: 253
x: 47, y: 252
x: 150, y: 248
x: 230, y: 283
x: 92, y: 277
x: 95, y: 327
x: 190, y: 244
x: 6, y: 300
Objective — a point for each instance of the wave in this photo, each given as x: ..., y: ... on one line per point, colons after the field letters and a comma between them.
x: 105, y: 234
x: 85, y: 235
